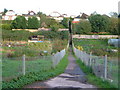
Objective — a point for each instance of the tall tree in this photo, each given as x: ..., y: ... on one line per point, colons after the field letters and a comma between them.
x: 29, y: 22
x: 99, y: 23
x: 19, y: 23
x: 33, y: 23
x: 5, y: 10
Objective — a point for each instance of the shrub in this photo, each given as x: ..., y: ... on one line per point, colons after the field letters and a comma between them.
x: 80, y: 48
x: 7, y: 26
x: 6, y: 21
x: 55, y: 27
x: 84, y: 27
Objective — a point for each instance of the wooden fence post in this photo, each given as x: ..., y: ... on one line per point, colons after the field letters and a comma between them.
x: 23, y: 66
x: 105, y: 67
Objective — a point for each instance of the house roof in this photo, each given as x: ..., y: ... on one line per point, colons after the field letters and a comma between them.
x: 30, y: 13
x: 75, y: 21
x: 78, y: 16
x: 84, y: 16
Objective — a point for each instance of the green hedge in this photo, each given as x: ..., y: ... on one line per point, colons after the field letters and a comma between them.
x: 39, y: 76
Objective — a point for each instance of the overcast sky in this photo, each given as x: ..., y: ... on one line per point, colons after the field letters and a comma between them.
x: 70, y: 7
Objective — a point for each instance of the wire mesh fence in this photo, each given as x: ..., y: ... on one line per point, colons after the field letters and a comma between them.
x: 18, y: 66
x: 102, y: 66
x: 113, y: 70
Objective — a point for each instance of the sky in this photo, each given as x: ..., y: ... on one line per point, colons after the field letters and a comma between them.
x: 70, y: 7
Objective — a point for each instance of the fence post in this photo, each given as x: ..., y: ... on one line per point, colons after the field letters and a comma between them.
x: 105, y: 67
x: 23, y: 66
x: 90, y: 59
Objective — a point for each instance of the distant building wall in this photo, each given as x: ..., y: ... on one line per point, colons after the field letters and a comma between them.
x: 95, y: 36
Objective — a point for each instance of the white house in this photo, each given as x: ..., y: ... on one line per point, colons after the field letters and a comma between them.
x: 9, y: 15
x: 57, y: 16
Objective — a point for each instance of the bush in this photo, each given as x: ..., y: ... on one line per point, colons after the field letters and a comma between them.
x: 6, y: 21
x: 55, y: 27
x: 113, y: 27
x: 7, y: 26
x: 84, y: 27
x: 53, y: 34
x: 15, y: 35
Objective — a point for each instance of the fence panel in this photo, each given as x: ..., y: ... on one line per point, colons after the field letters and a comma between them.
x: 39, y: 63
x: 17, y: 66
x: 102, y: 66
x: 112, y: 70
x: 11, y: 68
x: 98, y: 65
x: 57, y: 57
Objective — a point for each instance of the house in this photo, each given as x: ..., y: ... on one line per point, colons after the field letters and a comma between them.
x: 84, y: 16
x: 56, y: 15
x: 77, y: 19
x: 9, y: 15
x: 65, y: 15
x: 31, y: 14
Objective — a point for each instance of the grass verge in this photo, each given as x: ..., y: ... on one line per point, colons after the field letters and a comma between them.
x: 37, y: 76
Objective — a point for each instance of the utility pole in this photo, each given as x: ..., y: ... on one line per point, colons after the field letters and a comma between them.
x: 70, y: 33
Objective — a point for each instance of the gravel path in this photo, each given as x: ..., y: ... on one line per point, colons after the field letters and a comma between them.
x: 73, y: 77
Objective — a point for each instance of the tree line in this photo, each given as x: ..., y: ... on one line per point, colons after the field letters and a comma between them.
x: 20, y: 22
x: 97, y: 23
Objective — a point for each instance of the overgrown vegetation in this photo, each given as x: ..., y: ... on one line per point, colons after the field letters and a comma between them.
x: 37, y: 76
x: 98, y: 47
x: 58, y: 45
x: 9, y: 35
x: 83, y: 27
x: 32, y: 49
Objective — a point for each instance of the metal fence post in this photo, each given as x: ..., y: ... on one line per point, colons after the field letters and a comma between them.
x: 23, y: 66
x: 90, y: 63
x: 105, y: 67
